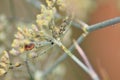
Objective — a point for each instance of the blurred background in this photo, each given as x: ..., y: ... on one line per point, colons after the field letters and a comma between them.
x: 102, y: 47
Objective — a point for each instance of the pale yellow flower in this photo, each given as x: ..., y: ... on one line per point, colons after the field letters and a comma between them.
x: 50, y: 3
x: 46, y: 16
x: 4, y: 63
x: 14, y: 52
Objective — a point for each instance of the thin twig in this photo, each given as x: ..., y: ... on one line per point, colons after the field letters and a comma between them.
x: 82, y: 54
x: 73, y: 57
x: 93, y: 74
x: 28, y: 68
x: 63, y: 57
x: 50, y: 58
x: 103, y: 24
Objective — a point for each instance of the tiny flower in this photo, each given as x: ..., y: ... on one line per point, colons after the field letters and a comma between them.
x: 14, y: 52
x: 20, y: 29
x: 50, y: 3
x: 2, y: 72
x: 46, y: 16
x: 18, y: 35
x: 43, y: 9
x: 16, y: 43
x: 34, y: 27
x: 17, y: 64
x: 33, y: 55
x: 61, y: 4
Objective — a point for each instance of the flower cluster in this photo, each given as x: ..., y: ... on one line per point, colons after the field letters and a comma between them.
x: 4, y: 63
x: 33, y: 38
x: 41, y: 34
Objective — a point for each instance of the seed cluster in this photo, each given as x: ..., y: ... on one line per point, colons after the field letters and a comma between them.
x: 37, y: 36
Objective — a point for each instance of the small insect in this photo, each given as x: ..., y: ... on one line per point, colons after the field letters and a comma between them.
x: 29, y: 46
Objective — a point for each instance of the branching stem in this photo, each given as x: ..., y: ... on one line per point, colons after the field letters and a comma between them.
x: 80, y: 39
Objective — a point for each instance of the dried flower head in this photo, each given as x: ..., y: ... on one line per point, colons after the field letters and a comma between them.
x: 42, y: 34
x: 4, y: 63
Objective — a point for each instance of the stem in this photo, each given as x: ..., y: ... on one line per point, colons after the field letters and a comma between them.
x: 103, y: 24
x: 80, y: 39
x: 84, y: 67
x: 83, y: 55
x: 63, y: 57
x: 93, y: 74
x: 28, y: 68
x: 74, y: 58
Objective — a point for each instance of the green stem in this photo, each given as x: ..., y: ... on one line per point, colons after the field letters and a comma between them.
x: 63, y: 57
x: 103, y: 24
x: 74, y: 58
x: 28, y: 68
x: 84, y: 67
x: 80, y: 39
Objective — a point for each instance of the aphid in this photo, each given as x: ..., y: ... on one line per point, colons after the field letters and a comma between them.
x: 29, y: 46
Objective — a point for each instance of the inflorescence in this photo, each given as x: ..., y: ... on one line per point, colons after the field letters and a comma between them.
x: 31, y: 39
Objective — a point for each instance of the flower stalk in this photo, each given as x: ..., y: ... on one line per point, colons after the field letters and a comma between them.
x: 91, y: 28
